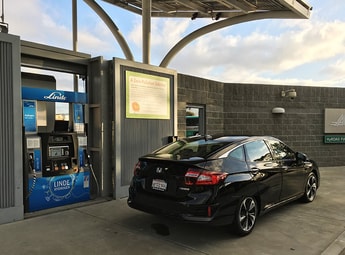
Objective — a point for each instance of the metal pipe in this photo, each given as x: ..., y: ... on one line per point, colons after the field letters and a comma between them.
x: 146, y: 19
x: 2, y: 12
x: 75, y: 25
x: 75, y: 44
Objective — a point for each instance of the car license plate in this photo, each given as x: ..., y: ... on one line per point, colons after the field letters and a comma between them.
x: 158, y: 184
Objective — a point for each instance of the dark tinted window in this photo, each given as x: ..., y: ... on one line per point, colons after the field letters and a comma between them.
x: 281, y: 151
x: 258, y: 151
x: 235, y: 161
x: 237, y: 154
x: 192, y: 120
x: 185, y: 149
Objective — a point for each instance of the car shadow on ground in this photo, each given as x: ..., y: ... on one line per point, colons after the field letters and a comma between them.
x: 194, y: 233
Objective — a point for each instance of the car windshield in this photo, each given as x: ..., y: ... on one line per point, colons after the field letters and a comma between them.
x: 186, y: 149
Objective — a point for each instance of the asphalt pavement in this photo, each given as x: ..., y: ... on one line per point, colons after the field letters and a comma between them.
x: 111, y: 227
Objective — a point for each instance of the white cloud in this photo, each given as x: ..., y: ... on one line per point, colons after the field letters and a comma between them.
x: 136, y: 33
x: 39, y: 22
x: 336, y: 69
x: 34, y: 21
x: 250, y: 58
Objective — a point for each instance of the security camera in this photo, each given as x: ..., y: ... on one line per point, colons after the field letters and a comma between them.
x: 291, y: 93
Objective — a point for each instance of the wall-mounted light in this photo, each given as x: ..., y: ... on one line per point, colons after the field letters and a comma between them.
x: 194, y: 16
x: 290, y: 93
x: 278, y: 110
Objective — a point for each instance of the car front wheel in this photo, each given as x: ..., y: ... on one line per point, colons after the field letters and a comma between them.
x: 245, y: 216
x: 310, y: 188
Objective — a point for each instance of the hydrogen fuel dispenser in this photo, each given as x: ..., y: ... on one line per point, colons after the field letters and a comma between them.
x: 55, y: 172
x: 59, y: 154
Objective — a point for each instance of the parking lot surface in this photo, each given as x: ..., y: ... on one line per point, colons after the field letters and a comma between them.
x: 111, y: 227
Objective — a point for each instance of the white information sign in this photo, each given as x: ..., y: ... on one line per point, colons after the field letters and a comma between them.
x: 147, y: 96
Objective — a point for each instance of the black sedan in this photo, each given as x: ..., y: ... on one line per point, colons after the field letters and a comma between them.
x: 222, y: 179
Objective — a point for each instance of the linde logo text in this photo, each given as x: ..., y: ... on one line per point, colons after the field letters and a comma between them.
x: 56, y: 96
x: 62, y: 185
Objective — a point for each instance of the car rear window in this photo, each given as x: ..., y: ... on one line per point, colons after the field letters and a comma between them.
x: 185, y: 149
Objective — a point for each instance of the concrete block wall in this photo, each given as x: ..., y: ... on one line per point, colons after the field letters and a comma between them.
x: 194, y: 90
x: 246, y: 109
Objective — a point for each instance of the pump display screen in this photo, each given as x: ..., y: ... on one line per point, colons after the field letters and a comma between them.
x: 58, y: 151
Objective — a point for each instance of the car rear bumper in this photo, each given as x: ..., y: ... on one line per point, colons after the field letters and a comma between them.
x: 206, y: 213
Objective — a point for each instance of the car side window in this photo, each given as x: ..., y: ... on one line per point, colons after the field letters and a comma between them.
x: 281, y: 151
x: 235, y: 161
x: 237, y: 154
x: 258, y: 151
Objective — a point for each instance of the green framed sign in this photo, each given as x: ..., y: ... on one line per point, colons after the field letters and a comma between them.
x: 334, y: 139
x: 147, y: 96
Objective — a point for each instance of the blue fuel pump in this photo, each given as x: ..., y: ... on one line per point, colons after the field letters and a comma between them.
x: 57, y: 171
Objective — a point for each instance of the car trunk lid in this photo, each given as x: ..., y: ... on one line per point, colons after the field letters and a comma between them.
x: 165, y: 177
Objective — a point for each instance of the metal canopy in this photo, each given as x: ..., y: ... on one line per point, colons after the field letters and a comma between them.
x: 224, y: 12
x: 213, y: 9
x: 51, y: 58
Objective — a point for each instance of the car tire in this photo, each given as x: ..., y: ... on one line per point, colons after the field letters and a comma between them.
x: 245, y: 216
x: 310, y: 188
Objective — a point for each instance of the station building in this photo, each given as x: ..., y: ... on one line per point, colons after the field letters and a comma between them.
x: 129, y: 109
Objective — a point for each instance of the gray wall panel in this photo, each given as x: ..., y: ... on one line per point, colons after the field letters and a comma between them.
x: 6, y: 119
x: 11, y: 173
x: 100, y: 126
x: 137, y: 137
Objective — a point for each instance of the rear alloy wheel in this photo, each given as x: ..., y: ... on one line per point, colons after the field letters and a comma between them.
x: 310, y: 188
x: 246, y: 216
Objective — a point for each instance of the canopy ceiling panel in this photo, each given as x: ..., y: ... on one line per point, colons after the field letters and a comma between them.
x: 214, y: 9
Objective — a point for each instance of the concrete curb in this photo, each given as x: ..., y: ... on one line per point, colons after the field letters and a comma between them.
x: 337, y: 247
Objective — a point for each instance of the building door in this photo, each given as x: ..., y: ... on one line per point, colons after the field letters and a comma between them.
x: 195, y: 120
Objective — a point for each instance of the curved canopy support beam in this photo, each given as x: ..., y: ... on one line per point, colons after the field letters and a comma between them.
x: 225, y: 23
x: 113, y: 28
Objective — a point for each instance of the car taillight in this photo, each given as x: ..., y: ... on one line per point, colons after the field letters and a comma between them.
x: 198, y: 177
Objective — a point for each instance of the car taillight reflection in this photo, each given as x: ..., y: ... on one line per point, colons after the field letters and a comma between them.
x: 199, y: 177
x: 136, y: 168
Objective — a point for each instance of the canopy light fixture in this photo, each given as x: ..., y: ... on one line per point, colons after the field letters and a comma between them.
x: 218, y: 15
x: 194, y: 16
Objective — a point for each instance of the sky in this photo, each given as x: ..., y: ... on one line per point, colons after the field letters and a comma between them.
x: 302, y: 52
